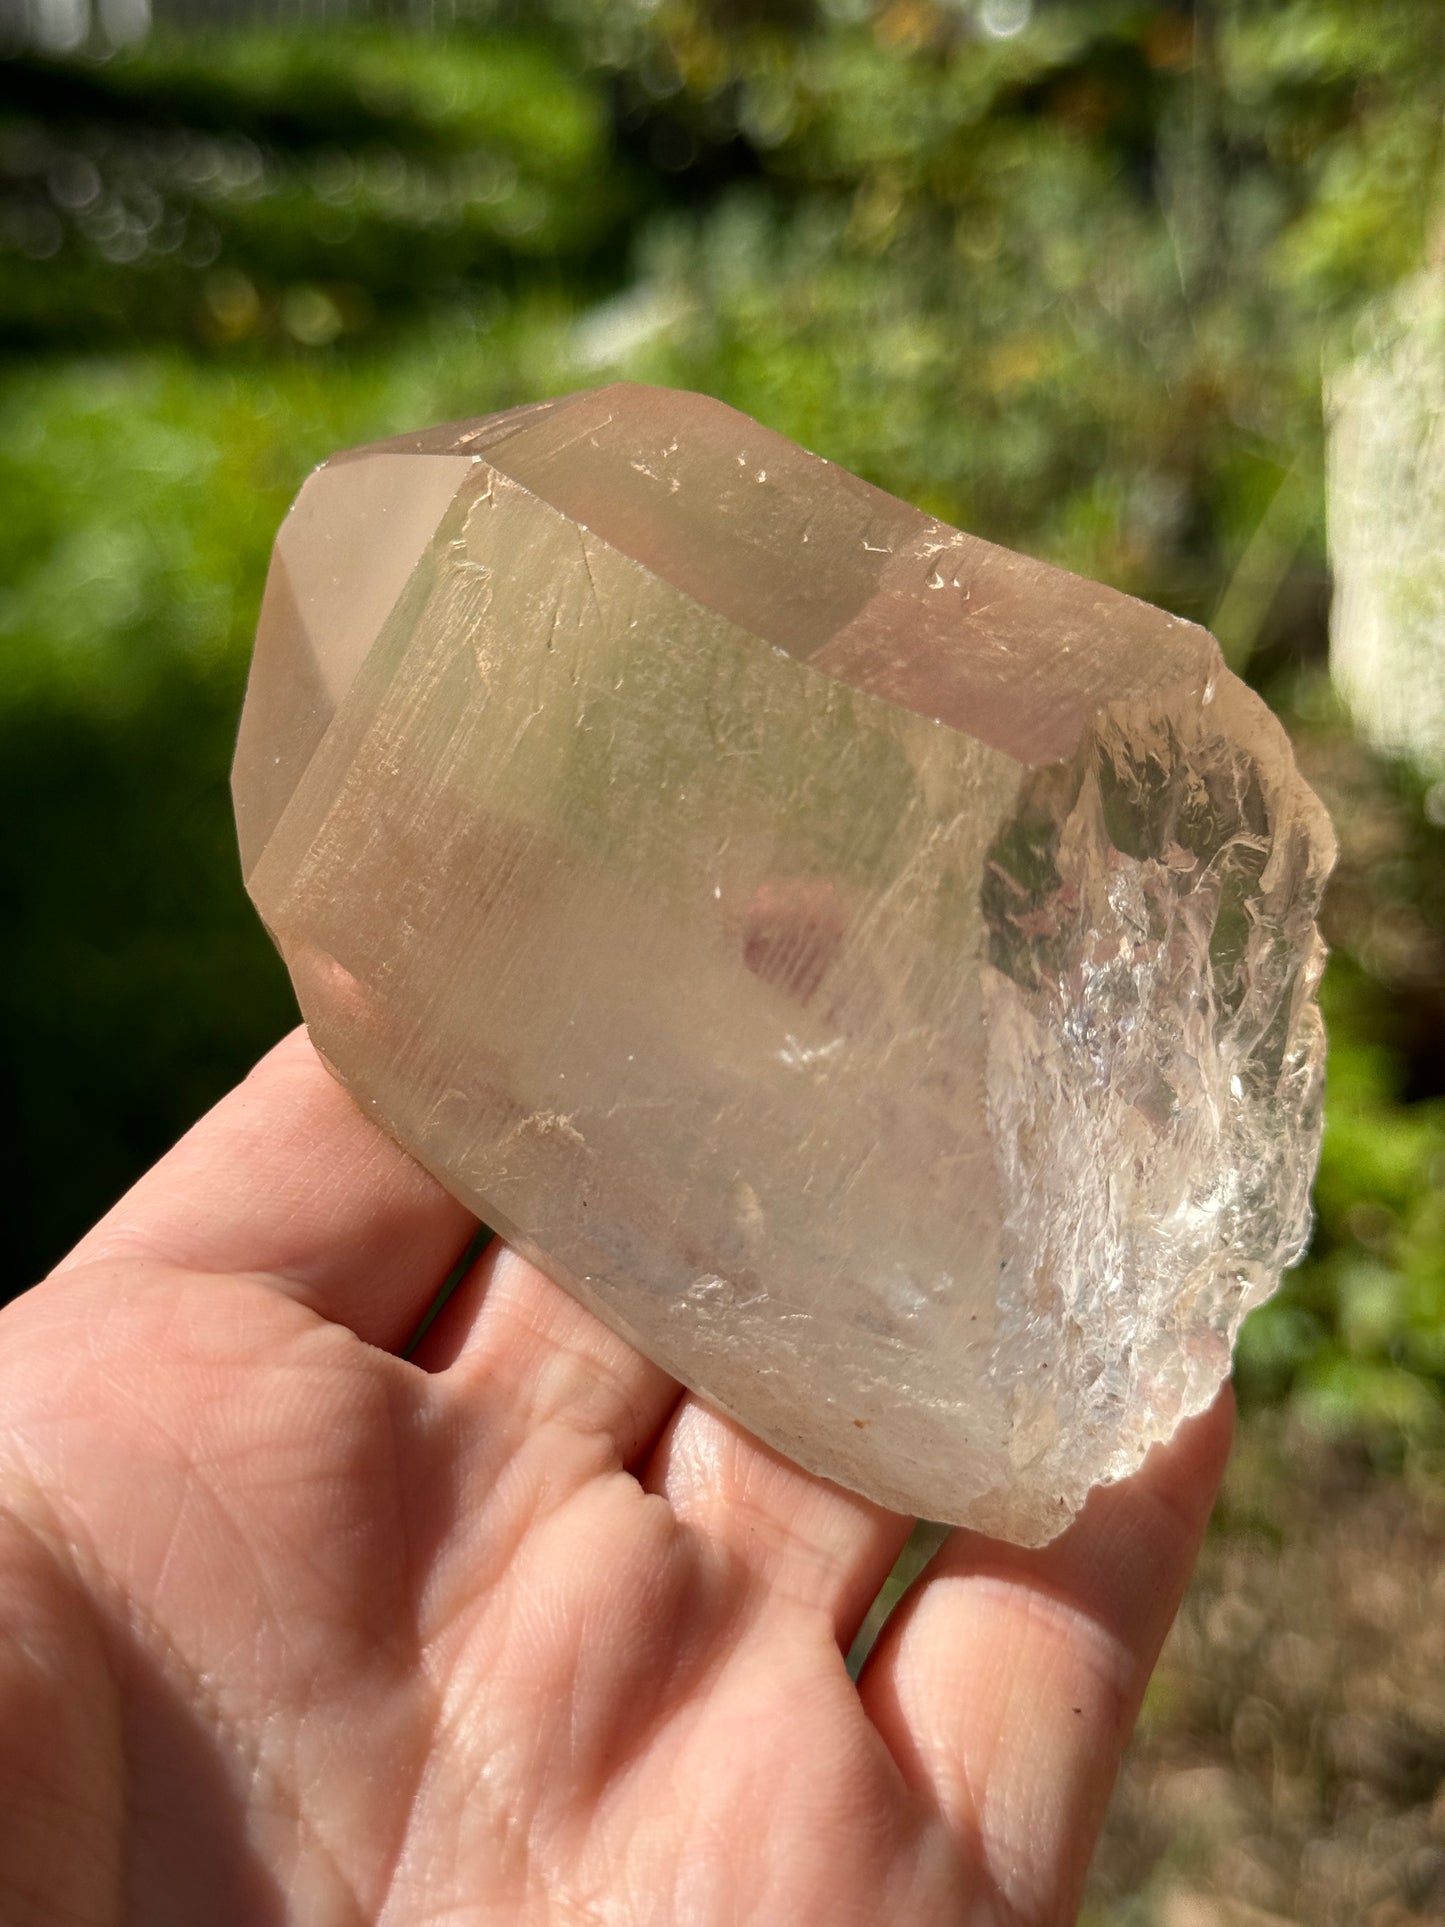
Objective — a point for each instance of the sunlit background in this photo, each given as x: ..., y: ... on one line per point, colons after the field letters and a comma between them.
x: 1153, y: 291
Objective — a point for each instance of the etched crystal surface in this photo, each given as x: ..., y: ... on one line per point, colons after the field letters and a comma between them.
x: 873, y: 970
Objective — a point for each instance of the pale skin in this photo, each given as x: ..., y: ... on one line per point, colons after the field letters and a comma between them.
x: 293, y: 1629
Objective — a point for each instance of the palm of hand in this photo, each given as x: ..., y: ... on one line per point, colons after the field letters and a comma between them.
x: 291, y: 1629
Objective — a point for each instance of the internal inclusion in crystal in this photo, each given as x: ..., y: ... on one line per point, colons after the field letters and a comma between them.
x: 873, y: 971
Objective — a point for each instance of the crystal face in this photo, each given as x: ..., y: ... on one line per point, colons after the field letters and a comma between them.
x: 872, y: 970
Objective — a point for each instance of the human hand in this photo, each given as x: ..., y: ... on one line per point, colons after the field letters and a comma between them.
x: 293, y: 1630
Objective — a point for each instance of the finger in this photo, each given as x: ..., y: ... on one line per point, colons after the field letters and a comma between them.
x: 512, y: 1339
x: 1008, y: 1681
x: 286, y: 1180
x: 802, y: 1540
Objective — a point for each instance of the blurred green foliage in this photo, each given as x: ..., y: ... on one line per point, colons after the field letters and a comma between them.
x: 1357, y: 1338
x: 1068, y: 280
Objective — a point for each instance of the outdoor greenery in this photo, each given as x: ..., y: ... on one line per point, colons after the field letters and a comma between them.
x: 1068, y: 278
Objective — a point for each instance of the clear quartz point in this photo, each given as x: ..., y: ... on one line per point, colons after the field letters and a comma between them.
x: 873, y: 971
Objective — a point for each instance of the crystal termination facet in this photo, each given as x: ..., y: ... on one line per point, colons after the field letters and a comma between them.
x: 872, y: 970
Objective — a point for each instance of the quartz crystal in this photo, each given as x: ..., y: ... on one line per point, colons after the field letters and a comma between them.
x: 872, y: 970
